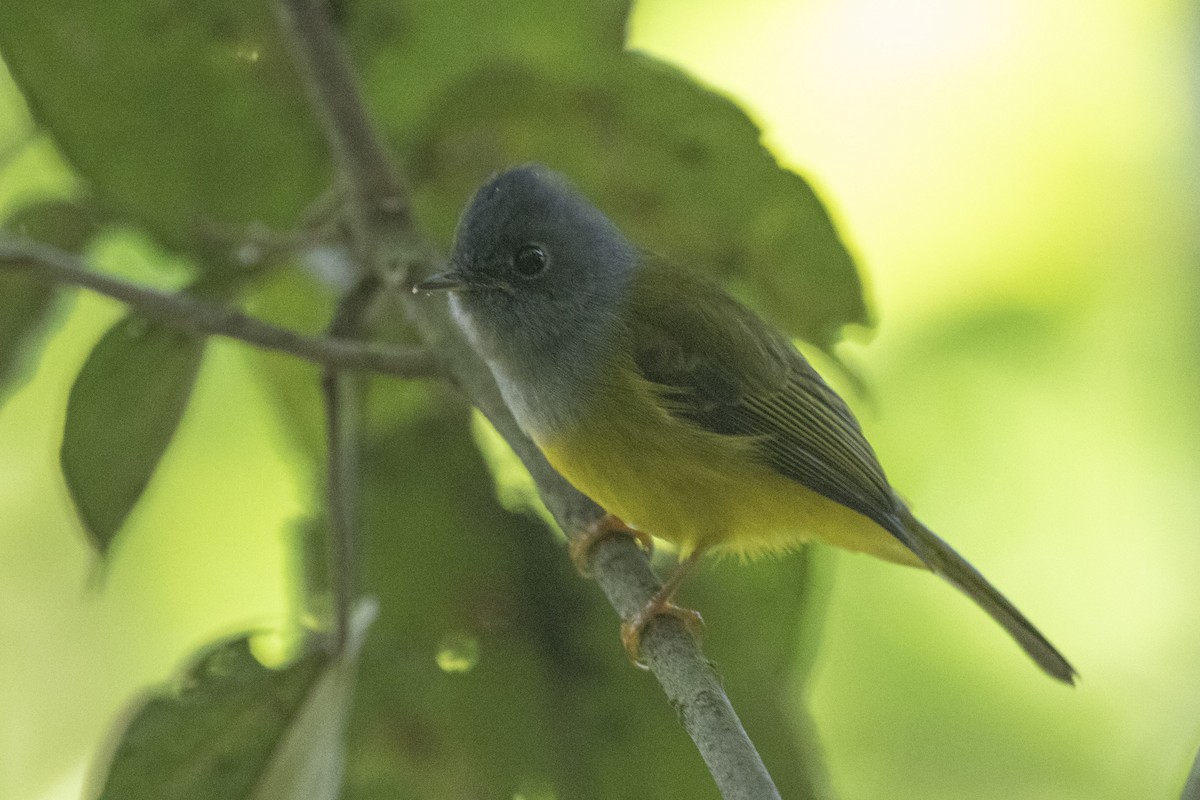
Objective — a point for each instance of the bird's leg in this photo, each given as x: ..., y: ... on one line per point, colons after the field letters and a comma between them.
x: 608, y: 525
x: 662, y: 603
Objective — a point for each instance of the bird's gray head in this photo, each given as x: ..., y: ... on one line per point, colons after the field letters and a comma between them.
x: 535, y: 266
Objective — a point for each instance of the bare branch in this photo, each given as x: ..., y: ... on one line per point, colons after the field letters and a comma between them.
x: 384, y: 231
x: 180, y: 310
x: 343, y: 426
x: 377, y: 205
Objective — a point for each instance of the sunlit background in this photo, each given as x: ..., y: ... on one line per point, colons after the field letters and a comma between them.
x: 1019, y: 179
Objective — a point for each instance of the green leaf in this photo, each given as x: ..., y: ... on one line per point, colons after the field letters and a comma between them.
x: 233, y: 729
x: 680, y: 168
x: 510, y: 666
x: 204, y: 121
x: 416, y: 50
x: 123, y: 410
x: 179, y: 114
x: 215, y: 733
x: 66, y: 224
x: 27, y: 304
x: 24, y: 306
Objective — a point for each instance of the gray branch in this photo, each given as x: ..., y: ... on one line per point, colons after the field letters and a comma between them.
x: 343, y: 429
x: 181, y: 311
x: 386, y: 238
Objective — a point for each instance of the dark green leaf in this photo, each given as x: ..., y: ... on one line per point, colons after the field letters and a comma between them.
x: 122, y: 412
x: 495, y: 670
x: 66, y: 224
x: 179, y: 114
x: 416, y: 50
x: 26, y: 304
x: 204, y: 121
x: 235, y: 730
x: 680, y: 168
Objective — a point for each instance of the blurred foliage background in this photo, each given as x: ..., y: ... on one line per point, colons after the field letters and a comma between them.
x: 1020, y: 183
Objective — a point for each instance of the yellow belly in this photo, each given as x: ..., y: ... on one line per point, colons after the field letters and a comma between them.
x: 702, y: 490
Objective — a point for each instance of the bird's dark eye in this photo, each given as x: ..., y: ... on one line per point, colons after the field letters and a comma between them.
x: 530, y: 261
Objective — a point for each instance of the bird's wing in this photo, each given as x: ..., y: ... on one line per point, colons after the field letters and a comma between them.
x: 725, y: 370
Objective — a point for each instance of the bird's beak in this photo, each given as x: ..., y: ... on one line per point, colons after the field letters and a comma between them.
x: 448, y: 281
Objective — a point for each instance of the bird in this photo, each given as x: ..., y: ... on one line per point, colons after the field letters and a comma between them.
x: 681, y: 412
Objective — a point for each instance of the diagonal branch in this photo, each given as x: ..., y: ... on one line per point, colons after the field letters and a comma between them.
x: 58, y: 266
x: 384, y: 235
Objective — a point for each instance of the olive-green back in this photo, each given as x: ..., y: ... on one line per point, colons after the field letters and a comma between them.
x: 724, y: 369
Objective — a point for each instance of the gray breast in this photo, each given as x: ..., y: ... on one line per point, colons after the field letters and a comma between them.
x: 548, y: 383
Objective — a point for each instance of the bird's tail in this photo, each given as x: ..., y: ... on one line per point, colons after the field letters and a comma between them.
x: 943, y: 560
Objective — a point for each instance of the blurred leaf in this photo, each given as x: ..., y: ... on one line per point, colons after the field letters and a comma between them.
x: 293, y: 299
x: 121, y: 414
x: 66, y: 224
x: 309, y: 763
x: 765, y: 620
x: 213, y: 735
x: 236, y: 730
x: 204, y: 122
x: 417, y: 49
x: 997, y: 331
x: 179, y: 114
x: 126, y: 403
x: 764, y: 623
x: 26, y: 304
x: 495, y: 670
x: 680, y: 168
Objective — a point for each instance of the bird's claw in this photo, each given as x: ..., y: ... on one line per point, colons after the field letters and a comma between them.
x: 631, y: 629
x: 608, y: 525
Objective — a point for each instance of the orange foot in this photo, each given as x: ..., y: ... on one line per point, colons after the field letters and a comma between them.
x: 608, y: 525
x: 660, y: 605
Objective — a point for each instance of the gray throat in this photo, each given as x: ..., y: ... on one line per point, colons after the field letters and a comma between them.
x: 548, y: 384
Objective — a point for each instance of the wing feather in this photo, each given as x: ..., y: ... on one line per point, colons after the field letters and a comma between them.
x: 720, y: 367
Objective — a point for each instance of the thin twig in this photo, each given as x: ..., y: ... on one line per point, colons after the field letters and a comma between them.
x: 255, y: 243
x: 377, y: 204
x: 343, y: 426
x: 180, y: 310
x: 381, y: 219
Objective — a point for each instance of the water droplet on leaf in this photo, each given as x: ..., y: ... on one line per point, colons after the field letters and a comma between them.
x: 458, y: 651
x: 535, y: 791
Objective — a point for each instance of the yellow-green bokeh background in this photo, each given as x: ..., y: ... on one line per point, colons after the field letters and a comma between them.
x: 1020, y: 181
